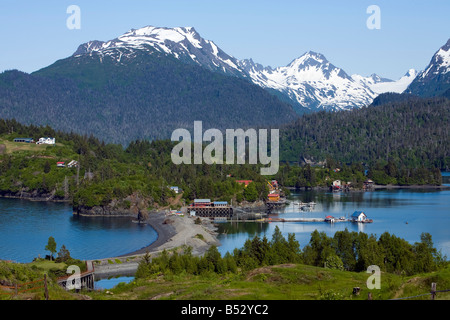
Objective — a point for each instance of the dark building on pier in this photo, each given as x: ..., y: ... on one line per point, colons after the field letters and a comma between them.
x: 208, y: 209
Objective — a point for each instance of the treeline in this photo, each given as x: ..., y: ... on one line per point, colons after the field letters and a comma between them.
x: 308, y: 176
x: 389, y: 173
x: 354, y: 251
x: 381, y: 172
x: 346, y: 250
x: 411, y: 132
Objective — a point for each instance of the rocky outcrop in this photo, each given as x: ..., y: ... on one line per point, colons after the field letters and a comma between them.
x: 132, y: 205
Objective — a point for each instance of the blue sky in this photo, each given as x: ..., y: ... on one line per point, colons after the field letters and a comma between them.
x: 34, y: 34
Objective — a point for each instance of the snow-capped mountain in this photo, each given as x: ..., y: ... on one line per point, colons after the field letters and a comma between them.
x: 309, y: 81
x: 183, y: 43
x: 382, y: 85
x: 313, y: 82
x: 435, y: 78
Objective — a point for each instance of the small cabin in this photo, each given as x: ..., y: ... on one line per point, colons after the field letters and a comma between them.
x: 61, y: 164
x: 337, y: 183
x: 359, y: 216
x: 175, y: 189
x: 275, y: 197
x: 329, y: 219
x: 72, y: 163
x: 202, y: 202
x: 46, y: 140
x: 368, y: 184
x: 218, y: 204
x: 26, y: 140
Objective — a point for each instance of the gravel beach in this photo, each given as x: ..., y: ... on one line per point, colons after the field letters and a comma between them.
x: 174, y: 231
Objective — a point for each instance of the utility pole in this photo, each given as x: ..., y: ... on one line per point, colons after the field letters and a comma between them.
x: 78, y: 171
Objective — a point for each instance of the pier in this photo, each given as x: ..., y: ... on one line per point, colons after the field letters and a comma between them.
x: 295, y: 220
x: 86, y: 279
x: 327, y: 220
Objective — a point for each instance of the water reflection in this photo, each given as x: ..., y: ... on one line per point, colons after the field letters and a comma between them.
x: 403, y: 212
x: 251, y: 229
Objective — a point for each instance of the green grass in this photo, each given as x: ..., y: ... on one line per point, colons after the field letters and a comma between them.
x: 47, y: 265
x: 284, y: 282
x: 19, y: 273
x: 12, y: 147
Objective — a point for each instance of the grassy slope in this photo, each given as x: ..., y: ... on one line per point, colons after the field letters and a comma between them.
x: 283, y: 282
x: 19, y: 273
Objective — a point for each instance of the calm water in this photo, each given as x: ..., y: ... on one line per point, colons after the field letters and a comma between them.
x: 403, y: 212
x: 25, y: 227
x: 112, y: 282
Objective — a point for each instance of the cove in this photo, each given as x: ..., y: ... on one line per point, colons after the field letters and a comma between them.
x: 26, y: 225
x: 405, y: 213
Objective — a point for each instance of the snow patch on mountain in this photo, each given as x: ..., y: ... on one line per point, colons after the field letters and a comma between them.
x: 440, y: 63
x: 435, y: 79
x: 183, y: 43
x: 382, y: 85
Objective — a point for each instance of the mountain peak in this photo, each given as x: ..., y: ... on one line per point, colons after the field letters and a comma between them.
x: 182, y: 43
x: 447, y: 45
x: 435, y: 79
x: 308, y: 59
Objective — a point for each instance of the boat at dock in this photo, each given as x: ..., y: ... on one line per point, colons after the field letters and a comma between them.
x: 307, y: 206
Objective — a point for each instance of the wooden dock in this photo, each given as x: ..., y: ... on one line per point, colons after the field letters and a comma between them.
x: 296, y: 220
x: 290, y: 220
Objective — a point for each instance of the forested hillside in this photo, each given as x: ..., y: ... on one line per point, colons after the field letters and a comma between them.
x: 111, y: 175
x: 414, y: 132
x: 146, y: 98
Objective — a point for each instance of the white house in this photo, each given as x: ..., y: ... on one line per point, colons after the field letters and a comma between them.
x: 359, y: 216
x: 337, y: 183
x: 73, y: 163
x: 46, y: 140
x: 175, y: 189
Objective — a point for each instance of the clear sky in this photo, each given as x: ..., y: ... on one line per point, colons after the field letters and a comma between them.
x: 33, y: 34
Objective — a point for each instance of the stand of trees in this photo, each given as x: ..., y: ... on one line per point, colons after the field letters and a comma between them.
x: 346, y: 250
x: 411, y: 132
x: 382, y: 172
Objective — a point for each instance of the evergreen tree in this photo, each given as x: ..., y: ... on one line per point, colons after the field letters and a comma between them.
x: 51, y: 246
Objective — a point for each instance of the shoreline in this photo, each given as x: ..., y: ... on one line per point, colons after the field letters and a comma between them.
x: 415, y: 186
x: 377, y: 186
x: 35, y: 199
x: 164, y: 233
x: 173, y: 232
